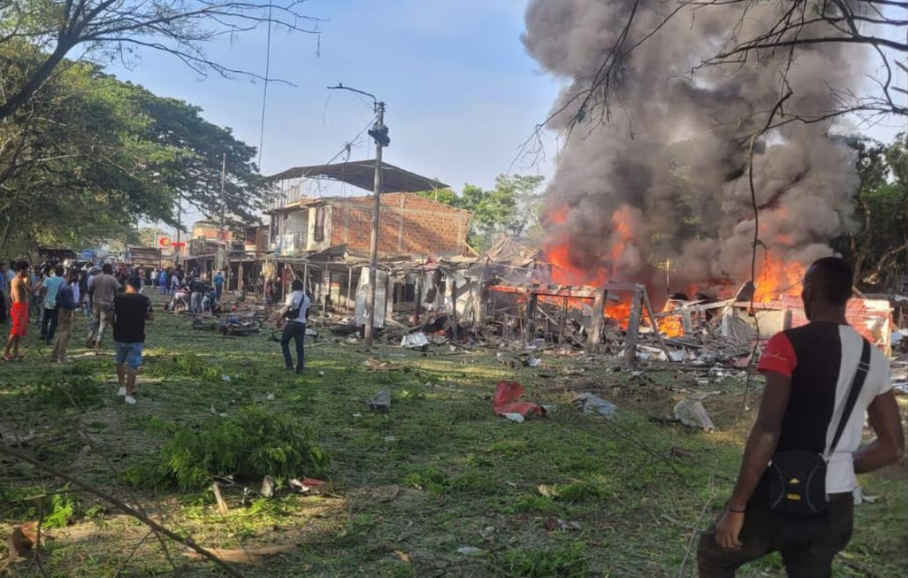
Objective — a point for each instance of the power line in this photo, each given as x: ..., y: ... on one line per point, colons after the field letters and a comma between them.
x: 265, y: 89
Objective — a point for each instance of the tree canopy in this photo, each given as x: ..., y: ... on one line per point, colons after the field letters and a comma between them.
x: 512, y: 208
x: 89, y: 156
x: 877, y: 245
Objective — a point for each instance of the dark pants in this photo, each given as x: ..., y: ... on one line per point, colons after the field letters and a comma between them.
x: 808, y: 545
x: 218, y: 289
x: 297, y: 332
x: 3, y: 311
x: 49, y: 324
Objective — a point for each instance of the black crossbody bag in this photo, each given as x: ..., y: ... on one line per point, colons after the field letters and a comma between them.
x: 797, y: 480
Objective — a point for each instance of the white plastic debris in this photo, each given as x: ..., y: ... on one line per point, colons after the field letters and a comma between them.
x: 270, y: 397
x: 589, y: 403
x: 416, y: 340
x: 676, y: 355
x: 390, y: 439
x: 534, y: 362
x: 468, y: 550
x: 225, y: 378
x: 516, y: 417
x: 691, y: 413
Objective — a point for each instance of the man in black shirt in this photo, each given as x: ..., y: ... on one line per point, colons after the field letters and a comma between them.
x: 131, y: 309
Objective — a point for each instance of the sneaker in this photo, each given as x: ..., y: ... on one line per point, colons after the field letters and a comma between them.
x: 122, y: 393
x: 130, y: 400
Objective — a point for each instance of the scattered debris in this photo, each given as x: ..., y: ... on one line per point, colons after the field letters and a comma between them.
x: 692, y: 413
x: 404, y: 557
x: 376, y: 365
x: 22, y: 540
x: 533, y: 362
x: 270, y: 397
x: 860, y: 497
x: 417, y: 340
x: 251, y: 556
x: 222, y: 504
x: 505, y: 401
x: 308, y: 486
x: 381, y: 403
x: 553, y: 523
x: 225, y: 378
x: 390, y: 439
x: 469, y: 550
x: 267, y: 490
x: 516, y: 417
x: 589, y: 403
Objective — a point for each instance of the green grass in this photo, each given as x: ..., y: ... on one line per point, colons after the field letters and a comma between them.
x: 408, y: 489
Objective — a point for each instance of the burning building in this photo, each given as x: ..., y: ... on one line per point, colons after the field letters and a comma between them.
x: 662, y: 191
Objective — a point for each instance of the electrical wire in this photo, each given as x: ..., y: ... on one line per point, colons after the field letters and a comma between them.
x: 265, y: 89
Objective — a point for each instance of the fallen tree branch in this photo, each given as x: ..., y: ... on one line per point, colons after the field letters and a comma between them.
x: 188, y: 542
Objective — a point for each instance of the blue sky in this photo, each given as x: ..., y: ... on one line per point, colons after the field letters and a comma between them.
x: 462, y: 95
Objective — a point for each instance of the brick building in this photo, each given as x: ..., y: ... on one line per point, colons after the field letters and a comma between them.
x: 409, y: 224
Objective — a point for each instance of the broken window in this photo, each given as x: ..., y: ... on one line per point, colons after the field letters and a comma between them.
x: 319, y: 233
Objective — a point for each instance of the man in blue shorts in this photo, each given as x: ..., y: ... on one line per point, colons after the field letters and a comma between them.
x: 131, y: 310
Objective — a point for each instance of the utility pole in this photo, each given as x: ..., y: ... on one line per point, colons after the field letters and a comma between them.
x: 379, y: 134
x: 222, y: 237
x: 176, y: 249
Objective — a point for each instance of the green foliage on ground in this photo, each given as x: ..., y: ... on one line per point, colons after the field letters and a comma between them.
x: 408, y: 489
x: 251, y: 444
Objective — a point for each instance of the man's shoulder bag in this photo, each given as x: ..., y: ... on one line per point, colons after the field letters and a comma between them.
x: 796, y: 480
x: 293, y: 313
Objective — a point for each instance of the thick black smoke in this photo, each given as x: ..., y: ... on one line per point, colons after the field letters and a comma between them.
x: 670, y: 162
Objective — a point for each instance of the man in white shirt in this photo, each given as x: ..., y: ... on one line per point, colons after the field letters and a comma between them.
x: 296, y: 312
x: 809, y: 374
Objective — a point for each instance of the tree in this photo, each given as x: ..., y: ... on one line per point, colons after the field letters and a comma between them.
x: 513, y: 208
x: 881, y: 223
x: 115, y: 28
x: 89, y: 156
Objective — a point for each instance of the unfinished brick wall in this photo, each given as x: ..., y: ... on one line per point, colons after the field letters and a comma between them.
x: 409, y: 225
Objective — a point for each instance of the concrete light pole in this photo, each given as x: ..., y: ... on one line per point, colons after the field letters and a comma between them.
x: 379, y: 134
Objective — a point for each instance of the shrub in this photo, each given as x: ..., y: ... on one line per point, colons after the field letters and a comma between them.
x: 250, y: 444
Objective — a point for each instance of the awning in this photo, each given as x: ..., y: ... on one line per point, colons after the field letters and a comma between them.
x: 362, y: 174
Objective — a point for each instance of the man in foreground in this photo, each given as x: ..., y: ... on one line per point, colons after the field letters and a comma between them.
x: 296, y: 311
x: 130, y: 310
x: 18, y: 311
x: 68, y: 303
x: 104, y: 288
x: 809, y: 374
x: 49, y: 289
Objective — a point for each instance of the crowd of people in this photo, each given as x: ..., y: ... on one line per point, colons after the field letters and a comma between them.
x: 49, y: 296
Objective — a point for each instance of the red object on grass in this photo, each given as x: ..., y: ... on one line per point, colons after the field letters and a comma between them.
x: 505, y: 400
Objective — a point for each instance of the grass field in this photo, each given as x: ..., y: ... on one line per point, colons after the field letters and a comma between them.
x: 408, y: 489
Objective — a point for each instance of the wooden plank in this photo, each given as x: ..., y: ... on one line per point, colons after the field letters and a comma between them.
x: 633, y: 329
x: 649, y: 311
x: 598, y: 316
x: 530, y: 318
x: 454, y: 308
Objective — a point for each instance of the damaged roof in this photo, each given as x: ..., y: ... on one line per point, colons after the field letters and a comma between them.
x: 362, y: 174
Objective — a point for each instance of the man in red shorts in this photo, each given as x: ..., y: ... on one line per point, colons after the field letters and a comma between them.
x: 19, y: 291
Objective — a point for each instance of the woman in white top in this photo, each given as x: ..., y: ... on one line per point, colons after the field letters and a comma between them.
x: 295, y: 311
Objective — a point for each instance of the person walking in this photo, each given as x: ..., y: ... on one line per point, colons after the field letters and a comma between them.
x: 175, y: 281
x: 104, y: 289
x: 49, y: 289
x: 18, y: 311
x: 130, y: 312
x: 66, y: 315
x: 196, y: 291
x: 296, y: 312
x: 218, y: 285
x: 794, y: 492
x: 163, y: 280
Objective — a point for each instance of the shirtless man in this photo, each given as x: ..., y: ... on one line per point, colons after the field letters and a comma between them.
x: 18, y: 311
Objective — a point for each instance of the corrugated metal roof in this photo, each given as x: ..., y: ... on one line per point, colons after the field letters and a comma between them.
x: 362, y: 174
